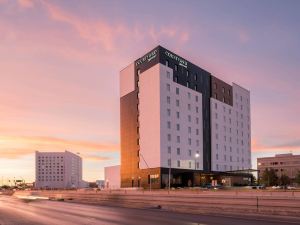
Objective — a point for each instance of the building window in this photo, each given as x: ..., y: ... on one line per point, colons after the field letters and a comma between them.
x: 168, y: 87
x: 217, y: 166
x: 195, y: 76
x: 188, y: 84
x: 217, y: 156
x: 168, y: 99
x: 223, y: 89
x: 197, y: 120
x: 177, y: 102
x: 169, y: 162
x: 168, y: 75
x: 176, y: 79
x: 189, y: 130
x: 178, y: 151
x: 177, y: 126
x: 216, y: 96
x: 189, y: 106
x: 196, y: 98
x: 189, y: 118
x: 177, y: 115
x: 187, y: 73
x: 195, y: 88
x: 169, y: 112
x: 229, y: 92
x: 176, y: 67
x: 215, y: 85
x: 178, y: 163
x: 190, y: 152
x: 189, y: 95
x: 197, y: 131
x: 167, y: 63
x: 190, y: 141
x: 197, y: 109
x: 169, y: 137
x: 190, y: 165
x: 177, y: 91
x: 169, y: 124
x: 223, y: 99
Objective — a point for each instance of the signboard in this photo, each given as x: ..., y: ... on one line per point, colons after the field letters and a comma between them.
x: 180, y: 60
x: 147, y: 58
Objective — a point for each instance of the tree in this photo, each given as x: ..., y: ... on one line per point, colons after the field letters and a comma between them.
x: 269, y: 177
x: 297, y: 179
x: 284, y: 180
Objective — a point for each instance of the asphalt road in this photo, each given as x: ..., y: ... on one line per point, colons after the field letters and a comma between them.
x: 19, y: 212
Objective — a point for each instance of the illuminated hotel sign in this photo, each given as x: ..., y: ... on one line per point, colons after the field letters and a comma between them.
x: 147, y: 58
x: 181, y: 61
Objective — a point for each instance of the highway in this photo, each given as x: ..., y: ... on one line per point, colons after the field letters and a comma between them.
x: 14, y: 211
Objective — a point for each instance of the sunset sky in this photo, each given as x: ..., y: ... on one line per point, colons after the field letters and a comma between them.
x: 60, y: 63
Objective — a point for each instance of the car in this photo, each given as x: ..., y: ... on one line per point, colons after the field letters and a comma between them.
x: 276, y: 187
x: 291, y: 188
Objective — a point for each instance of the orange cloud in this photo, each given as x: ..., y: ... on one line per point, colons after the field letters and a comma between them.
x: 17, y: 146
x: 287, y: 147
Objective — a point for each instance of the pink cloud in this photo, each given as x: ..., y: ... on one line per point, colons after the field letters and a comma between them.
x: 26, y: 3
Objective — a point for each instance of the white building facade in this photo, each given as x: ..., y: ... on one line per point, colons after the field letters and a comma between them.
x: 58, y: 170
x: 180, y: 123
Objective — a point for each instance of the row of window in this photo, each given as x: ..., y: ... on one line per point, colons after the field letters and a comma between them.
x: 178, y: 151
x: 178, y: 140
x: 225, y: 157
x: 238, y: 141
x: 178, y: 128
x: 179, y: 164
x: 225, y: 167
x: 230, y: 149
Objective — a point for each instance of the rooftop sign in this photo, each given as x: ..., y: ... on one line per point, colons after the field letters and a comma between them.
x: 180, y: 60
x: 147, y: 58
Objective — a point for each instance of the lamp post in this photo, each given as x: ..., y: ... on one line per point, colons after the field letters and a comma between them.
x: 196, y: 156
x: 170, y: 172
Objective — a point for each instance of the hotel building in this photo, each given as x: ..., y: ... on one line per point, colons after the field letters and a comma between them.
x: 58, y: 170
x: 180, y: 123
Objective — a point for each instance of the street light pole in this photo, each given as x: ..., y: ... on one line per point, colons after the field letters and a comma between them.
x: 147, y: 167
x: 170, y: 172
x: 196, y: 156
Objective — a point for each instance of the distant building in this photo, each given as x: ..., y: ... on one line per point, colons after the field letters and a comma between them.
x: 100, y: 183
x: 112, y: 177
x: 58, y: 170
x: 287, y: 164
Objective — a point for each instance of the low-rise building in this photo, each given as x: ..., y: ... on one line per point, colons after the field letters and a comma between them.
x: 112, y: 177
x: 283, y: 164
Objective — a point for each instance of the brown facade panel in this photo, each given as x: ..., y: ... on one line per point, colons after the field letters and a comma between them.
x: 129, y: 137
x: 221, y: 91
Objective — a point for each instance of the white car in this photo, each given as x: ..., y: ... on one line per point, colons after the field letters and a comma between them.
x: 276, y: 187
x: 291, y: 188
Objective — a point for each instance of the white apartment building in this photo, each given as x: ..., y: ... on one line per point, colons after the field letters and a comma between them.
x: 58, y: 170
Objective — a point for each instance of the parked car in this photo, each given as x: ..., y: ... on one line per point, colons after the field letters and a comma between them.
x: 276, y: 187
x: 291, y: 187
